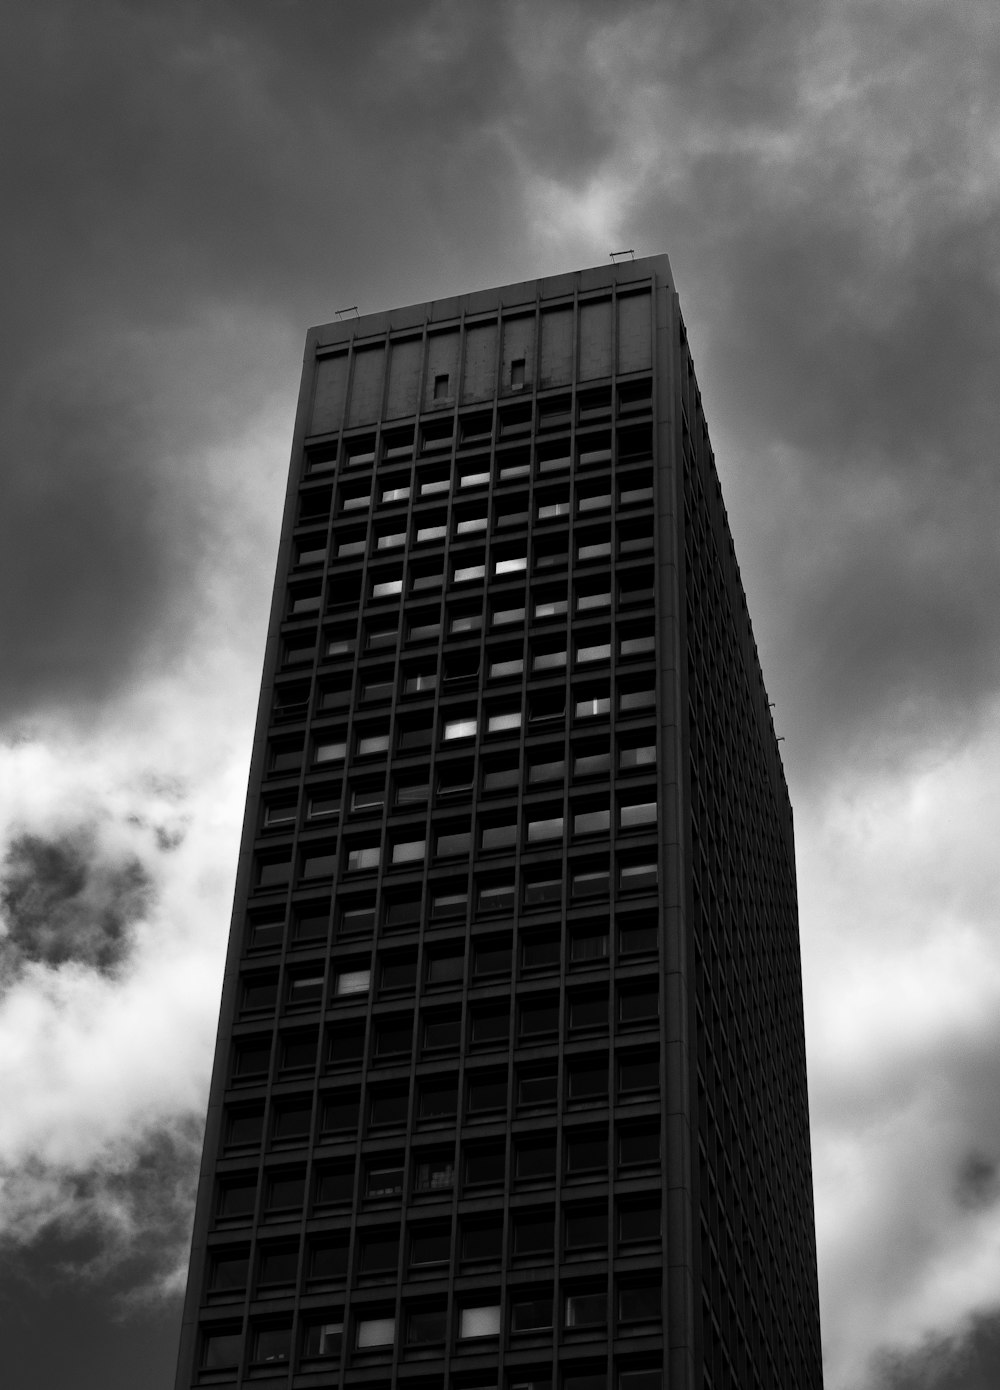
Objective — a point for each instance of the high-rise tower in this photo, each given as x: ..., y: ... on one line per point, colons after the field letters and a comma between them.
x: 510, y: 1086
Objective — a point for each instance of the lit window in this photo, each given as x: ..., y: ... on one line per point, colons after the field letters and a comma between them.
x: 598, y: 651
x: 459, y: 728
x: 643, y: 755
x: 592, y: 822
x: 322, y: 1339
x: 363, y: 857
x: 391, y: 540
x: 549, y: 828
x: 375, y: 1332
x: 387, y: 588
x: 465, y: 574
x: 352, y: 982
x: 516, y: 564
x: 330, y: 751
x: 409, y: 851
x: 426, y: 534
x: 479, y: 1322
x: 370, y: 744
x: 503, y: 722
x: 636, y: 814
x: 507, y: 666
x: 471, y: 525
x: 394, y: 494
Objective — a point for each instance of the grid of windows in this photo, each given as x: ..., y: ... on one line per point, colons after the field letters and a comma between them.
x: 450, y: 1014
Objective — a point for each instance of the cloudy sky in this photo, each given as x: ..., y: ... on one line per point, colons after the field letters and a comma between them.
x: 188, y: 187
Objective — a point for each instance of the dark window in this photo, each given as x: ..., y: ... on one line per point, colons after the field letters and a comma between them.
x: 537, y: 1087
x: 588, y: 944
x: 345, y: 1046
x: 445, y: 969
x: 244, y: 1128
x: 379, y: 1252
x: 260, y: 993
x: 437, y: 1100
x: 430, y: 1247
x: 638, y: 1148
x: 482, y: 1240
x: 237, y: 1198
x: 399, y: 973
x: 285, y: 1191
x: 639, y: 1302
x: 252, y: 1059
x: 441, y: 1032
x: 220, y: 1350
x: 389, y: 1108
x: 277, y: 1265
x: 292, y: 1121
x: 323, y: 1337
x: 639, y: 1222
x: 637, y: 936
x: 640, y: 1073
x: 340, y: 1113
x: 535, y: 1161
x: 586, y: 1229
x: 586, y: 1309
x: 490, y: 1025
x: 540, y: 952
x: 487, y: 1093
x: 490, y: 958
x: 425, y: 1326
x: 228, y: 1271
x: 393, y: 1037
x: 638, y: 1006
x: 334, y: 1185
x: 586, y: 1153
x: 534, y: 1235
x: 588, y: 1012
x: 530, y: 1315
x: 588, y: 1079
x: 538, y: 1019
x: 327, y: 1261
x: 484, y: 1166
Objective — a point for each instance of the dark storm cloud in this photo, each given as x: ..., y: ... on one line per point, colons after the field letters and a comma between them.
x: 967, y: 1361
x: 63, y: 899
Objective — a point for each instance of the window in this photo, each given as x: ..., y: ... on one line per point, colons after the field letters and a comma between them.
x: 375, y: 1332
x: 500, y: 835
x: 503, y: 721
x: 636, y: 936
x: 398, y: 973
x: 340, y: 1113
x: 500, y: 776
x: 244, y: 1128
x: 536, y: 1087
x: 354, y: 918
x: 588, y: 945
x: 482, y: 1321
x: 535, y: 1161
x: 430, y: 1246
x: 277, y: 1265
x: 504, y: 667
x: 491, y: 958
x: 384, y: 1180
x: 636, y: 756
x: 393, y: 1037
x: 266, y: 932
x: 640, y: 1379
x: 638, y: 1148
x: 409, y: 851
x: 482, y: 1240
x: 546, y: 769
x: 334, y: 1185
x: 280, y: 813
x: 639, y: 1072
x: 322, y: 1338
x: 452, y: 842
x: 595, y: 820
x: 490, y: 1026
x: 587, y: 1079
x: 548, y: 659
x: 534, y: 1235
x: 319, y: 862
x: 543, y: 829
x: 590, y: 760
x: 273, y: 871
x: 586, y: 1153
x: 450, y: 901
x: 291, y: 1121
x: 323, y: 804
x: 517, y: 374
x: 441, y: 1032
x: 638, y: 1005
x: 586, y: 1229
x: 540, y: 951
x: 327, y: 1261
x: 237, y: 1198
x: 220, y: 1350
x: 425, y: 1326
x: 637, y: 875
x: 487, y: 1093
x: 371, y: 743
x: 363, y: 857
x: 634, y: 701
x: 260, y: 993
x: 588, y: 1012
x: 379, y: 1252
x: 466, y: 573
x: 530, y: 1315
x: 352, y: 982
x: 437, y: 1100
x: 463, y: 727
x: 538, y: 1018
x: 445, y: 969
x: 639, y: 1302
x: 484, y: 1167
x: 586, y: 1309
x: 228, y: 1271
x: 639, y: 1222
x: 285, y: 1191
x: 433, y: 1173
x: 252, y: 1059
x: 541, y: 890
x: 637, y: 815
x: 388, y: 1109
x: 441, y: 386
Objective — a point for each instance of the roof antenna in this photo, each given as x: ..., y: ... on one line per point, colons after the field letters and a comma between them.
x: 351, y: 309
x: 615, y: 254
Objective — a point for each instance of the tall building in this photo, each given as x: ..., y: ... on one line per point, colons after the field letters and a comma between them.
x: 510, y: 1087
